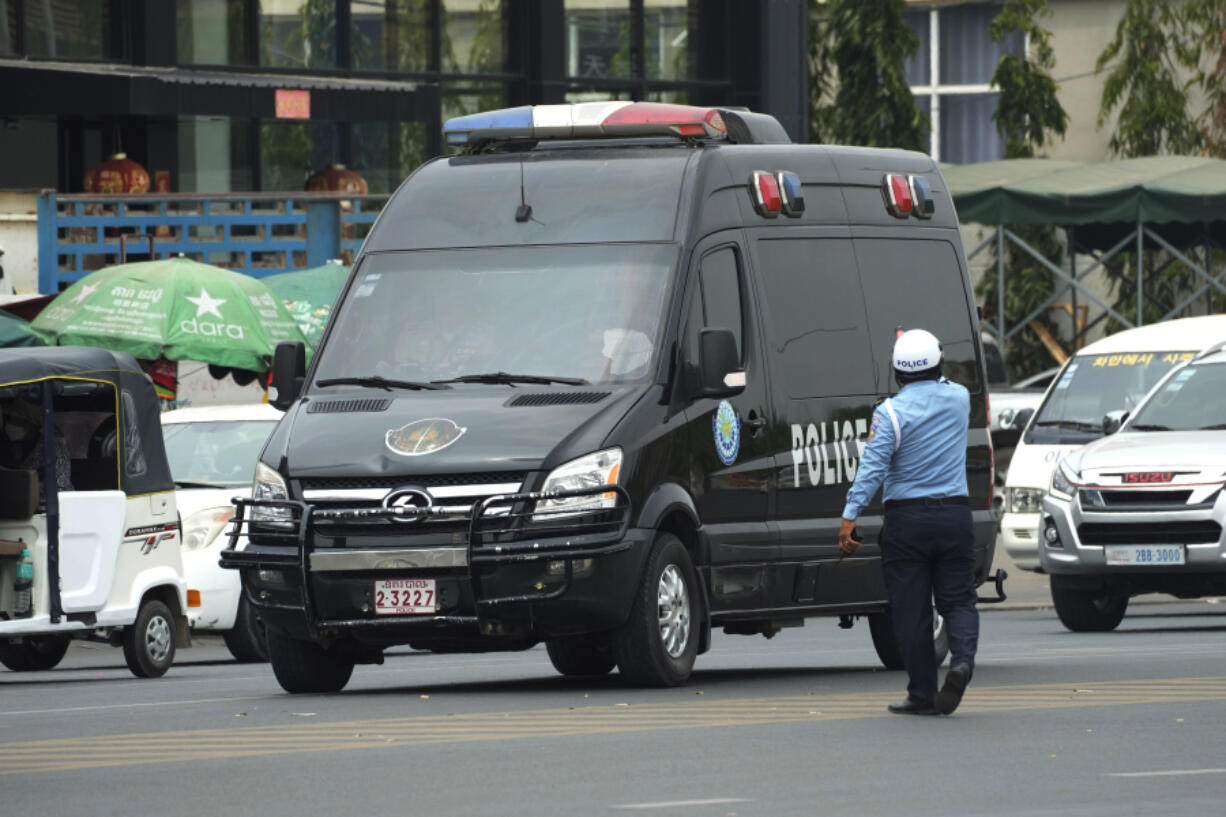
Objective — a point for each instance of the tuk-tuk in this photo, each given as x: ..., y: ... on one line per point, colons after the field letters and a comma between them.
x: 87, y: 506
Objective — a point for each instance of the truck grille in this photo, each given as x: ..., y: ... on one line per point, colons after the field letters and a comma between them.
x: 1135, y: 499
x: 1150, y: 533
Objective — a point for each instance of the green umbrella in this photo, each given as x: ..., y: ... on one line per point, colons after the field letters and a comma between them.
x: 16, y: 332
x: 175, y: 308
x: 309, y: 294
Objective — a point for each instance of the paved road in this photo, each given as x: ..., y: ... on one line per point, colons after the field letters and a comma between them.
x: 1055, y: 724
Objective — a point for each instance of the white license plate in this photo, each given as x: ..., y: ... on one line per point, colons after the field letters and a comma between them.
x: 1156, y: 555
x: 405, y: 597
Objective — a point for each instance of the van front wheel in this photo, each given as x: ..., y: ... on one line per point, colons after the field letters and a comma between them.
x: 304, y: 666
x: 149, y: 644
x: 658, y: 644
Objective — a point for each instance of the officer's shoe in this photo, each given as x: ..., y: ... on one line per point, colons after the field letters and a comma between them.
x: 913, y: 707
x: 950, y: 695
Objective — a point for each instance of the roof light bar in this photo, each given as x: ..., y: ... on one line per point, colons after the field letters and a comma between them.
x: 766, y: 197
x: 921, y: 197
x: 585, y: 120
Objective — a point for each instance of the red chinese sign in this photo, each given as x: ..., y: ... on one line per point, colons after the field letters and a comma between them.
x: 293, y: 104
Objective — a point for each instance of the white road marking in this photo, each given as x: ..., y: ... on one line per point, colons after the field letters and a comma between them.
x: 714, y: 801
x: 1169, y: 773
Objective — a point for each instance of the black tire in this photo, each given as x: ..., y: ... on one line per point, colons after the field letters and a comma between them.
x: 582, y: 655
x: 34, y: 653
x: 881, y: 627
x: 304, y: 666
x: 1087, y: 611
x: 246, y: 640
x: 149, y: 644
x: 658, y: 644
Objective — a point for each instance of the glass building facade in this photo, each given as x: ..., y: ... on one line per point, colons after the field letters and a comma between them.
x: 256, y: 95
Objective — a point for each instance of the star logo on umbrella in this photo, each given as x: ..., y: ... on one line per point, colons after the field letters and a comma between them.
x: 86, y: 291
x: 205, y: 303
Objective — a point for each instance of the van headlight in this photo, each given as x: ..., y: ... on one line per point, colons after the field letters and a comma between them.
x: 1025, y: 500
x: 589, y: 471
x: 1063, y: 484
x: 268, y: 484
x: 202, y: 528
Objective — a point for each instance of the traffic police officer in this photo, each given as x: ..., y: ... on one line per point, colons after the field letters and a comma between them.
x: 917, y: 445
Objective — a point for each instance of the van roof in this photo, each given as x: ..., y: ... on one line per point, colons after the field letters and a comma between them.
x: 1181, y: 334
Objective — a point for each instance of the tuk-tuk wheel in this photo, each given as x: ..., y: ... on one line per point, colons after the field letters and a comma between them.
x: 149, y: 644
x: 34, y: 653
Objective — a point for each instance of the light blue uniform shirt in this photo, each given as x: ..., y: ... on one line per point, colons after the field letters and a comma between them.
x: 923, y: 455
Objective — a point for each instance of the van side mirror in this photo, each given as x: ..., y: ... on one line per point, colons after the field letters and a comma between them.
x: 1112, y: 421
x: 288, y: 372
x: 1022, y: 418
x: 720, y: 373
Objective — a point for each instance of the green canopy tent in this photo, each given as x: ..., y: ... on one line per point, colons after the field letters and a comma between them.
x: 1172, y: 203
x: 16, y: 332
x: 309, y: 295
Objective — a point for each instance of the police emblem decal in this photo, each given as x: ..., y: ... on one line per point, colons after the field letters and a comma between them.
x: 727, y: 427
x: 423, y: 437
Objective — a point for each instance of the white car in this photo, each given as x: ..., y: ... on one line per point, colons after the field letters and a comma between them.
x: 212, y: 452
x: 1111, y: 374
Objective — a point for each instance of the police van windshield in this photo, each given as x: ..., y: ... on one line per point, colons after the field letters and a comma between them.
x: 1093, y: 385
x: 583, y: 312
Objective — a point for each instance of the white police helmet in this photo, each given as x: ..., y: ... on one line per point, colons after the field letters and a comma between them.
x: 916, y: 351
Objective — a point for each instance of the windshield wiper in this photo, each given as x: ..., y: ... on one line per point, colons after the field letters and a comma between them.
x: 511, y: 379
x: 1148, y: 427
x: 378, y: 382
x: 1214, y: 427
x: 190, y: 484
x: 1076, y: 424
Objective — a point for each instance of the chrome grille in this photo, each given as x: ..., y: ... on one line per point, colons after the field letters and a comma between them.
x: 1136, y: 499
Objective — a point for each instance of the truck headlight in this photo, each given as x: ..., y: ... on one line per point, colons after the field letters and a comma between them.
x: 1025, y: 500
x: 1063, y: 485
x: 589, y: 471
x: 268, y: 484
x: 203, y: 527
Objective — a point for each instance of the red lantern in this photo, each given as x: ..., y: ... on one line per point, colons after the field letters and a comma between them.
x: 337, y: 179
x: 118, y: 174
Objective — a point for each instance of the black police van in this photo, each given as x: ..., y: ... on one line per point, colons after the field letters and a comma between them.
x: 602, y: 381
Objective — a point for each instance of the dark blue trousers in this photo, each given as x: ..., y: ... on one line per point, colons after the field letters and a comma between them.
x: 927, y: 552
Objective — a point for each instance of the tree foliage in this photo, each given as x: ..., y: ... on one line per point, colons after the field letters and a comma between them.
x: 1152, y: 52
x: 866, y: 41
x: 1166, y: 55
x: 1028, y: 116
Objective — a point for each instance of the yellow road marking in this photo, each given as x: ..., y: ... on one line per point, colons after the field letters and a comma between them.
x: 65, y: 754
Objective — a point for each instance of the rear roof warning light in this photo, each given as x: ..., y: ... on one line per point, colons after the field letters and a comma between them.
x: 766, y: 198
x: 897, y: 191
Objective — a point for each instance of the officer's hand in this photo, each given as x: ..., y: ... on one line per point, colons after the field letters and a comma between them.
x: 846, y: 543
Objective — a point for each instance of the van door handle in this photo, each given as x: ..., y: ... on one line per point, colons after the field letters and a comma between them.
x: 755, y: 423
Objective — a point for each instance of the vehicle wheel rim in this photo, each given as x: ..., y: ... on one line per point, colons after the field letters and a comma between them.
x: 157, y: 639
x: 937, y: 623
x: 674, y: 607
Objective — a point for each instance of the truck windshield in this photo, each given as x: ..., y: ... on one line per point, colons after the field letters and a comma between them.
x: 494, y: 316
x: 1093, y: 385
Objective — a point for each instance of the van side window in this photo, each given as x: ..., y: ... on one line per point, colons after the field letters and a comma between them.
x: 721, y: 295
x: 818, y: 325
x: 918, y: 284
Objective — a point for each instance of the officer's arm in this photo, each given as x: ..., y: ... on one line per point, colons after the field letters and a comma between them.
x: 873, y: 465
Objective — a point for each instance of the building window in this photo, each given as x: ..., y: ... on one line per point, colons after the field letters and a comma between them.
x: 647, y: 50
x: 65, y: 29
x: 213, y: 32
x: 473, y: 35
x: 391, y: 35
x: 950, y: 75
x: 298, y: 34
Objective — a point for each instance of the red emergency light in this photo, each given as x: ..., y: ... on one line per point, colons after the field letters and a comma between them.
x: 766, y: 197
x: 897, y: 191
